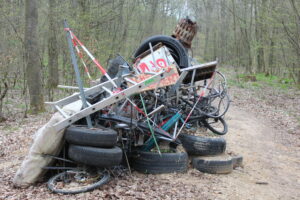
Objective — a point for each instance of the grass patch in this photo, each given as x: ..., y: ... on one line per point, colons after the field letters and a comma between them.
x: 256, y: 84
x: 261, y: 80
x: 240, y: 84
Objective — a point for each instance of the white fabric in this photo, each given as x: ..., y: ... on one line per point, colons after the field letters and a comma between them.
x: 46, y: 141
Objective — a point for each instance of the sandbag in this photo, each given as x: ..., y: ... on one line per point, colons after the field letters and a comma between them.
x: 46, y: 141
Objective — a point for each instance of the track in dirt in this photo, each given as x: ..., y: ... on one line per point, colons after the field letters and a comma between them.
x: 271, y: 159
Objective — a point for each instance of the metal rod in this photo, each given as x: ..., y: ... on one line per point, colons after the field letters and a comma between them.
x: 129, y: 80
x: 61, y: 111
x: 77, y: 73
x: 156, y: 110
x: 192, y: 83
x: 152, y: 54
x: 175, y: 130
x: 107, y: 90
x: 69, y: 87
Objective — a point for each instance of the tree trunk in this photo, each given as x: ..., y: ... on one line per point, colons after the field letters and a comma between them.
x: 208, y: 11
x: 236, y: 46
x: 259, y: 12
x: 52, y: 50
x: 150, y: 23
x: 33, y: 66
x: 271, y: 54
x: 222, y: 32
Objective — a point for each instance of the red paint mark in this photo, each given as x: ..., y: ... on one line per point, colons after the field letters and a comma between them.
x: 161, y: 63
x: 143, y: 67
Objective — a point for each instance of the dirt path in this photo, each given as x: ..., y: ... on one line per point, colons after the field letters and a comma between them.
x: 271, y: 168
x: 271, y: 159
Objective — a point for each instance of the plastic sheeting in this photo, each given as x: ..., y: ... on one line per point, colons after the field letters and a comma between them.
x: 46, y: 141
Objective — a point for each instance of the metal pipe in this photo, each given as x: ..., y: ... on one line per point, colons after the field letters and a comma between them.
x: 77, y: 73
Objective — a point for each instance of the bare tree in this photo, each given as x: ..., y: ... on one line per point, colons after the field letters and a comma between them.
x: 33, y: 65
x: 52, y: 50
x: 259, y: 31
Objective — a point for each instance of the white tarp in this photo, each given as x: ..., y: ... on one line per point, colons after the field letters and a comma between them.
x: 46, y: 141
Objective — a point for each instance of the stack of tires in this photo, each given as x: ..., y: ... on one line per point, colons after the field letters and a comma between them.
x: 93, y: 146
x: 208, y: 154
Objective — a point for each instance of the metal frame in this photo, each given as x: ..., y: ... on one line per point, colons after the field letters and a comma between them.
x: 113, y: 98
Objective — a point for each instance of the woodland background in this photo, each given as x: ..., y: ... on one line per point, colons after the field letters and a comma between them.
x: 256, y: 37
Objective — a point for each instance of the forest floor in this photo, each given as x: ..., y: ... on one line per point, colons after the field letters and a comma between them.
x: 264, y: 127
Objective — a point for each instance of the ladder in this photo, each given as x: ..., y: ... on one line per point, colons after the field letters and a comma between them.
x: 113, y: 97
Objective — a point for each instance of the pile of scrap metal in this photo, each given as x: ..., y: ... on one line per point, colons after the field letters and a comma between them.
x: 137, y: 116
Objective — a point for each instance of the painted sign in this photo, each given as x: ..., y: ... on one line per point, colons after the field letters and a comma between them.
x: 162, y: 59
x: 170, y: 80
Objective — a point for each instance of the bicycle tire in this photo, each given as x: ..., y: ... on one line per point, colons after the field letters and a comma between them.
x: 219, y: 114
x: 214, y: 130
x: 52, y: 181
x: 219, y: 82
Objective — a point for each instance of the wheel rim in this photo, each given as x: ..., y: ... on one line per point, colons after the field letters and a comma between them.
x: 74, y: 182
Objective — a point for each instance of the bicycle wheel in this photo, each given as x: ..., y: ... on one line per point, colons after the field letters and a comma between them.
x: 74, y: 182
x: 216, y: 125
x: 212, y: 106
x: 219, y: 83
x: 221, y: 104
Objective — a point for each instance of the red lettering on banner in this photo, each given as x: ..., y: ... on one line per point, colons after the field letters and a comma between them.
x: 161, y: 63
x: 143, y: 67
x: 151, y: 67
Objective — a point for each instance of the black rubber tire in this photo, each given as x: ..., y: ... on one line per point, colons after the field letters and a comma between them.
x: 237, y: 161
x: 93, y: 156
x: 95, y: 137
x: 212, y: 129
x: 153, y: 163
x: 181, y: 57
x: 51, y: 182
x: 202, y: 146
x: 213, y: 164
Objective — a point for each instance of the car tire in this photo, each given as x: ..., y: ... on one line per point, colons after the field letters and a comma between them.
x: 221, y: 164
x: 237, y: 161
x: 154, y: 163
x: 202, y: 146
x: 95, y: 137
x: 93, y: 156
x: 176, y: 49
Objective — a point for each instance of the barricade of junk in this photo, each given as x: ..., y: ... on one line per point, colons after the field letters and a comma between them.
x: 154, y: 114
